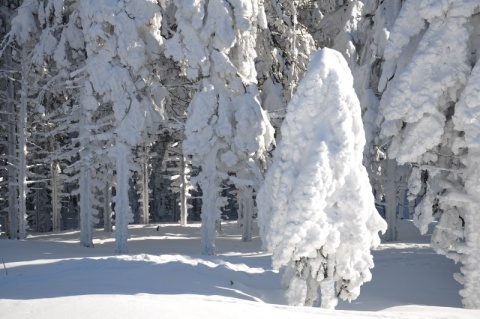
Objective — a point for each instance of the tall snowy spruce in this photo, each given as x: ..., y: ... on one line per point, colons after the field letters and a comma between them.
x: 359, y: 30
x: 428, y: 112
x: 122, y: 42
x: 316, y: 208
x: 19, y: 45
x: 227, y: 132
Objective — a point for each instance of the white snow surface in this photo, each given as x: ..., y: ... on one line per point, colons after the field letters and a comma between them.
x: 51, y: 276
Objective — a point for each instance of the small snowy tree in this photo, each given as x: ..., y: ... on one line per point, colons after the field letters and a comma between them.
x: 316, y: 208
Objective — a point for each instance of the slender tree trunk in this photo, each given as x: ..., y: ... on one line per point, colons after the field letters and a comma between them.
x: 210, y: 211
x: 471, y: 259
x: 329, y: 299
x: 56, y: 206
x: 107, y: 209
x: 292, y: 73
x: 86, y: 231
x: 246, y: 196
x: 22, y: 150
x: 124, y: 216
x: 312, y: 290
x: 183, y: 192
x: 391, y: 202
x: 12, y: 159
x: 86, y: 223
x: 145, y: 195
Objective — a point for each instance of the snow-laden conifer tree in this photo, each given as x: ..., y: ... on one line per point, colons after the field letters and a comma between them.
x: 23, y: 36
x: 284, y: 46
x: 467, y: 203
x: 58, y: 52
x: 316, y: 208
x: 9, y: 183
x: 122, y: 39
x: 426, y: 121
x: 226, y: 129
x: 359, y: 30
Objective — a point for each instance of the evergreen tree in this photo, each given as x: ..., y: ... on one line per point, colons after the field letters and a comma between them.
x: 226, y: 129
x: 425, y: 82
x: 316, y: 207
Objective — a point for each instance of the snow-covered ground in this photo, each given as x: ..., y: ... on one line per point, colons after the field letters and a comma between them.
x: 51, y: 276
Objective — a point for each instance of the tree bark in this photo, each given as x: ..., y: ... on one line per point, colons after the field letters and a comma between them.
x: 329, y: 299
x: 86, y: 231
x: 22, y: 150
x: 123, y: 214
x: 391, y: 202
x: 183, y: 192
x: 210, y: 211
x: 12, y: 159
x: 246, y: 196
x: 107, y: 209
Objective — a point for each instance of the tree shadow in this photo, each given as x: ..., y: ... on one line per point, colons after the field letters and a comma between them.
x: 408, y: 274
x: 141, y: 274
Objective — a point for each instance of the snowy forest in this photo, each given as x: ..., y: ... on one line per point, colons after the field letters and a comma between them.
x: 325, y: 122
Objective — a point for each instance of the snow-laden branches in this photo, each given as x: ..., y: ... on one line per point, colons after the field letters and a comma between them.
x: 316, y: 209
x: 428, y: 111
x: 226, y: 127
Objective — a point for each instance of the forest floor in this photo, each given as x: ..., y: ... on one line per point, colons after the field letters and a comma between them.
x: 49, y: 275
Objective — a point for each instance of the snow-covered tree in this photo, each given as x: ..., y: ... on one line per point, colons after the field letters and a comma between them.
x: 359, y: 30
x: 426, y: 114
x: 226, y: 129
x: 316, y: 208
x: 121, y: 41
x: 7, y: 125
x: 107, y: 51
x: 465, y: 206
x: 23, y: 36
x: 284, y: 46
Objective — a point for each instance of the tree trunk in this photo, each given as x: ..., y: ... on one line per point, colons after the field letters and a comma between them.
x: 312, y: 290
x: 86, y: 231
x: 56, y: 198
x: 329, y: 299
x: 12, y: 159
x: 121, y: 153
x: 183, y: 192
x: 391, y: 202
x: 210, y: 211
x: 246, y: 197
x: 144, y: 196
x: 107, y: 209
x: 471, y: 259
x: 22, y: 150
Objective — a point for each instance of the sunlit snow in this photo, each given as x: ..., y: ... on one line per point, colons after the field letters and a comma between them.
x: 52, y: 276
